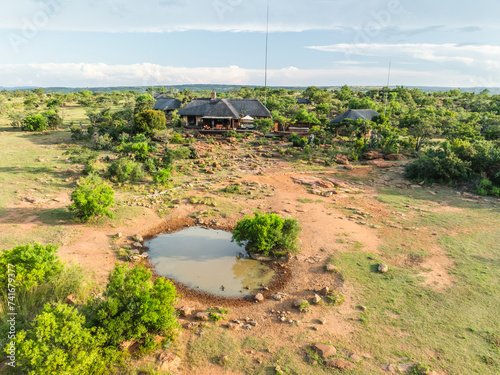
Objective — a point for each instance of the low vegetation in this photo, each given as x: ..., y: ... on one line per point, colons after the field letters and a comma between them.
x: 267, y: 234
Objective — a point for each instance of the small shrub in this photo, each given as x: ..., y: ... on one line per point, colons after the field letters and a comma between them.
x: 335, y: 298
x: 148, y: 122
x: 176, y: 138
x: 77, y: 132
x: 304, y: 306
x: 124, y: 169
x: 92, y: 198
x: 103, y: 142
x: 163, y: 176
x: 267, y: 234
x: 34, y: 264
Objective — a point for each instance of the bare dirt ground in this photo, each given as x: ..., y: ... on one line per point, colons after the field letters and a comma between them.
x: 326, y: 221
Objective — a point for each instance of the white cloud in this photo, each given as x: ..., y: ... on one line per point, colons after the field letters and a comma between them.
x: 99, y: 75
x: 245, y: 15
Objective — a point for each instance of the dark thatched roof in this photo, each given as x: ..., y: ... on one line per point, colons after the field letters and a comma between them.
x: 225, y: 108
x: 303, y: 101
x: 167, y: 104
x: 355, y: 114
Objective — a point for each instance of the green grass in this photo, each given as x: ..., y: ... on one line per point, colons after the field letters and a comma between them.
x: 452, y: 330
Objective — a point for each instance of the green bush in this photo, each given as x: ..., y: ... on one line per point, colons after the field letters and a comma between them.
x: 33, y: 264
x: 267, y: 234
x: 103, y: 142
x: 59, y: 343
x: 163, y: 176
x: 132, y: 307
x: 92, y: 198
x: 124, y: 169
x: 148, y: 122
x: 35, y: 123
x: 177, y: 138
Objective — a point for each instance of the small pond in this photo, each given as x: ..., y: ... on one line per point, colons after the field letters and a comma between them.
x: 207, y: 260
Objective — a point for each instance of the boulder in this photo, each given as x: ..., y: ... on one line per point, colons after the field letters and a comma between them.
x: 349, y: 167
x: 340, y: 364
x: 168, y: 362
x: 322, y: 320
x: 138, y: 238
x: 204, y: 316
x: 298, y: 302
x: 316, y: 299
x: 331, y: 268
x: 137, y: 244
x: 383, y: 268
x: 259, y: 297
x: 394, y: 157
x: 341, y: 159
x: 325, y: 350
x: 184, y: 310
x: 373, y: 155
x: 70, y: 300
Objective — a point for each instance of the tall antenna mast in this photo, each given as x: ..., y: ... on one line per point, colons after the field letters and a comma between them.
x: 267, y: 42
x: 386, y: 94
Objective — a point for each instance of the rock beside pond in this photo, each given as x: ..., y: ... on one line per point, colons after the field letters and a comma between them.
x: 259, y: 297
x: 137, y: 244
x: 184, y: 310
x: 138, y: 238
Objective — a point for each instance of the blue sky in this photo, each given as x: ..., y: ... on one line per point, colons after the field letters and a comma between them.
x: 316, y: 42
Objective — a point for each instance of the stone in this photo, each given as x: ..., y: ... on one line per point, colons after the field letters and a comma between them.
x: 126, y: 344
x: 184, y: 311
x: 373, y: 155
x: 383, y: 268
x: 259, y: 297
x: 224, y: 359
x: 332, y: 268
x: 298, y: 302
x: 168, y: 362
x: 322, y: 320
x: 393, y: 157
x: 356, y: 358
x: 325, y: 350
x: 234, y: 326
x: 349, y: 167
x: 118, y: 235
x: 204, y: 316
x: 316, y: 299
x: 137, y: 244
x: 138, y: 238
x: 191, y: 325
x: 341, y: 159
x: 279, y: 296
x: 134, y: 251
x: 325, y: 291
x: 340, y: 364
x: 70, y: 300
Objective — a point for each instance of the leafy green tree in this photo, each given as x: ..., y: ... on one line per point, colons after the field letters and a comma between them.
x: 149, y: 121
x: 267, y: 234
x: 132, y: 307
x: 264, y: 125
x: 54, y: 121
x: 92, y: 198
x: 59, y: 343
x: 422, y: 127
x: 304, y: 117
x: 34, y: 264
x: 143, y: 102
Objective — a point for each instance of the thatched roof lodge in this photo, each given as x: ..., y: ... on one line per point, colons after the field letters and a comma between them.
x: 355, y: 114
x: 222, y: 114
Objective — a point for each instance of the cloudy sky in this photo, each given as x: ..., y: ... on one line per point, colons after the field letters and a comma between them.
x: 88, y: 43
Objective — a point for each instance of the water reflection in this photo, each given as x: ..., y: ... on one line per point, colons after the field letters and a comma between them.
x: 207, y: 258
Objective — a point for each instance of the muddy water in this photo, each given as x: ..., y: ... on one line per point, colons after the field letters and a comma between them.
x: 207, y: 260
